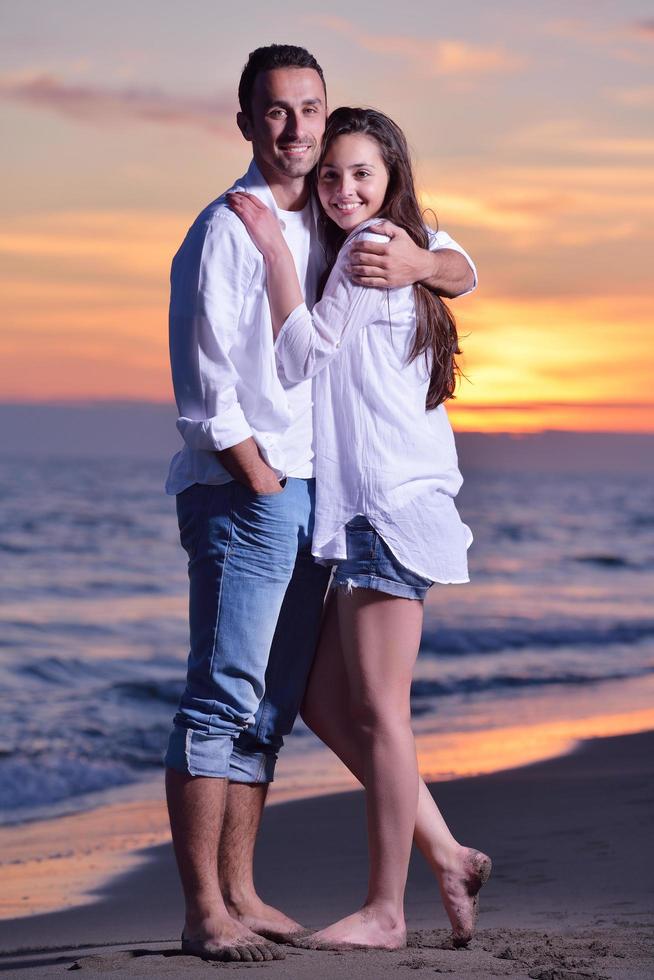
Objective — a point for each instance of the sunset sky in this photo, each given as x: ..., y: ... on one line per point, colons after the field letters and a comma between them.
x: 531, y: 126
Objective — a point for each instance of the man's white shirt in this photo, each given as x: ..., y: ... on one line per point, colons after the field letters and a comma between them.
x: 227, y: 386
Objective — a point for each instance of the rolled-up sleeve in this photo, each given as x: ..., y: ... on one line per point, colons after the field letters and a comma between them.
x: 308, y: 341
x: 210, y: 278
x: 440, y: 239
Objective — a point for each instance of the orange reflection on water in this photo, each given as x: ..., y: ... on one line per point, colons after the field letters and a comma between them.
x: 451, y: 755
x: 54, y: 864
x: 63, y: 862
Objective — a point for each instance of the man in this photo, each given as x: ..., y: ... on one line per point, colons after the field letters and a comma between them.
x: 245, y: 496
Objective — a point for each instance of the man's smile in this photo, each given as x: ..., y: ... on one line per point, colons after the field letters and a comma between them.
x: 295, y: 149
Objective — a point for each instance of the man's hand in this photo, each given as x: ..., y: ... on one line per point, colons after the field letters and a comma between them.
x: 401, y: 262
x: 243, y: 461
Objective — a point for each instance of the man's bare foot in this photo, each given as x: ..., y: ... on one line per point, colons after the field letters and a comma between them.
x: 266, y: 920
x: 369, y: 928
x: 226, y: 940
x: 459, y: 886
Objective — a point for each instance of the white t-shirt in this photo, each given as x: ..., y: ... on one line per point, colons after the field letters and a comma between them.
x: 296, y: 442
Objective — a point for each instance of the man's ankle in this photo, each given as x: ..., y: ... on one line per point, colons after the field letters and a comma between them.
x: 239, y: 900
x: 202, y: 913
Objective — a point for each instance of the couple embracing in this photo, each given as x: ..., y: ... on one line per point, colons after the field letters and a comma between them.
x: 311, y: 355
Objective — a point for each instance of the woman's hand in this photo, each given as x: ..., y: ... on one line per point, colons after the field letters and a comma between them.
x: 262, y: 225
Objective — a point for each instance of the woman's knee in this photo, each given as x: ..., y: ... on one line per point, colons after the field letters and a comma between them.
x: 378, y: 717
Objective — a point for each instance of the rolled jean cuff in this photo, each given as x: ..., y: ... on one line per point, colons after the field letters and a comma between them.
x: 199, y: 754
x: 251, y: 767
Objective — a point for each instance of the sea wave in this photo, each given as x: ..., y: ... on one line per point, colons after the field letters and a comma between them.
x: 487, y: 638
x: 476, y: 684
x: 34, y: 783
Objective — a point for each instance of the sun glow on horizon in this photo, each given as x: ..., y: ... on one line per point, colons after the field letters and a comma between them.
x: 541, y: 175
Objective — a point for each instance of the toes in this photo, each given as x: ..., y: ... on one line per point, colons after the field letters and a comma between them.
x: 245, y: 953
x: 255, y: 953
x: 277, y: 953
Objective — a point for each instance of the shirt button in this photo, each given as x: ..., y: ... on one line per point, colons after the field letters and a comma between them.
x: 282, y: 224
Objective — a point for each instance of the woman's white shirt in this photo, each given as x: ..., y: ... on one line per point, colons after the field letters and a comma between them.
x: 378, y: 451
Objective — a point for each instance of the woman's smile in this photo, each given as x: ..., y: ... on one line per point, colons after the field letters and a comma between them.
x: 347, y: 207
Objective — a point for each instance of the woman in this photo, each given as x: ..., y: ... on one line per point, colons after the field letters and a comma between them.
x: 386, y: 475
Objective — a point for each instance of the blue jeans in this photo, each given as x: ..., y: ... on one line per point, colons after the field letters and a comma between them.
x: 255, y: 604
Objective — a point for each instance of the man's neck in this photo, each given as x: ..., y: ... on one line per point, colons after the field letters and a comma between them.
x: 290, y: 193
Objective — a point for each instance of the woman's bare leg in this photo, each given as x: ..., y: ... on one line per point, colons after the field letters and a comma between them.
x: 460, y: 870
x: 380, y: 637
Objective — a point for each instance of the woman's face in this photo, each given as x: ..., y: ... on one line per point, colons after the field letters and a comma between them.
x: 352, y: 180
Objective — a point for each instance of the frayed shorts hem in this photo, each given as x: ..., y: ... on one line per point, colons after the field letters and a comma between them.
x: 379, y: 584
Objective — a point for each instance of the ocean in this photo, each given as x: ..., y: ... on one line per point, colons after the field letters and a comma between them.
x: 557, y: 621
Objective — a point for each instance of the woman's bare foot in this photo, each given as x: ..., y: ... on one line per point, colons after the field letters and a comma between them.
x: 459, y: 886
x: 267, y: 921
x: 224, y: 939
x: 370, y: 928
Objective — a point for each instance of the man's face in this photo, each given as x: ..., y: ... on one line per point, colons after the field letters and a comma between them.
x: 288, y: 120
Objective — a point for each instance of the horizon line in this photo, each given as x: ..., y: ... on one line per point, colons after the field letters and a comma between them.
x: 454, y: 403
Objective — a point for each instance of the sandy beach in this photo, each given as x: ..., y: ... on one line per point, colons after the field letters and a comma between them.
x: 571, y: 895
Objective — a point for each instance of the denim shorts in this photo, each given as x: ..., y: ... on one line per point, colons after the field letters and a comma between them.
x: 370, y: 564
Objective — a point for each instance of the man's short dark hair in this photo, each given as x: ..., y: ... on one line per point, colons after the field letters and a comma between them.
x: 265, y: 59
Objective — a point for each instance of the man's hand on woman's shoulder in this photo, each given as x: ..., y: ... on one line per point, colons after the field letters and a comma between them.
x: 399, y: 262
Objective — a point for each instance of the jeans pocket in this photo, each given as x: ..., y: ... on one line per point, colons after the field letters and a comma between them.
x: 275, y: 493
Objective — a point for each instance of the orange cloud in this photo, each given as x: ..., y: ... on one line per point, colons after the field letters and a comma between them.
x: 99, y: 106
x: 555, y: 206
x: 86, y: 304
x: 136, y: 244
x: 433, y: 58
x: 572, y: 136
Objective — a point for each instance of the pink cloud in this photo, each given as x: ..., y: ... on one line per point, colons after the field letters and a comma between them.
x: 587, y: 30
x: 431, y: 57
x: 94, y: 104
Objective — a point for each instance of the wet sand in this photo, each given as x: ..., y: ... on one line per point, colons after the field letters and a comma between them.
x: 571, y: 895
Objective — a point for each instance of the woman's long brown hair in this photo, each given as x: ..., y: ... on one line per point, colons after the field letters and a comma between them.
x: 436, y: 336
